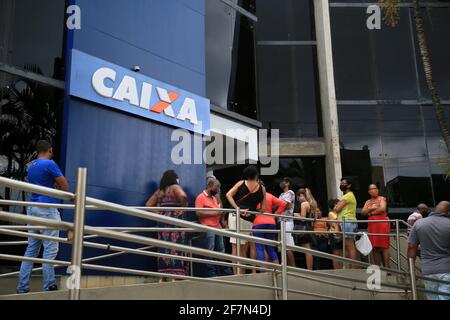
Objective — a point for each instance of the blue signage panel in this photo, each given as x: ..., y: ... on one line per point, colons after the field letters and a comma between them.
x: 102, y: 82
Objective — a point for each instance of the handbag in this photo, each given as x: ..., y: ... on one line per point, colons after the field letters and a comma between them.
x: 250, y: 217
x: 364, y: 245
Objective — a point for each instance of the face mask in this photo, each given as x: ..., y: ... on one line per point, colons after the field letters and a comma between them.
x: 373, y: 193
x: 282, y: 185
x: 343, y: 188
x: 213, y: 192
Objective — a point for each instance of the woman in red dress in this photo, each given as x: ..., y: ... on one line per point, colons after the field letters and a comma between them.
x: 376, y: 209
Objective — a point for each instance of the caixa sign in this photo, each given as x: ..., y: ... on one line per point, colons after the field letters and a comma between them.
x: 105, y: 83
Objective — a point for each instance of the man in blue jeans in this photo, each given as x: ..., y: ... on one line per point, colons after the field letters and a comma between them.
x: 211, y: 241
x: 44, y: 172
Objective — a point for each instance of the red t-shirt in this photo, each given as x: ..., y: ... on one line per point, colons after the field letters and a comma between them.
x: 271, y: 201
x: 204, y: 200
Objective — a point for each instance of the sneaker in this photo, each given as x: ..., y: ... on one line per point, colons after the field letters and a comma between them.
x: 22, y: 291
x: 227, y: 272
x: 53, y: 288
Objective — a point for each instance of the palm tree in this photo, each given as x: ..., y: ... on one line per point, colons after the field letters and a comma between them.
x: 391, y: 18
x: 27, y: 114
x: 426, y: 63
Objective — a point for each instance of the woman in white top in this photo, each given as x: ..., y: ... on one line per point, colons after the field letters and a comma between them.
x: 289, y: 196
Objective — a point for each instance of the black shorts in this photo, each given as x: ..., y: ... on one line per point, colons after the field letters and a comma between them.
x: 335, y: 244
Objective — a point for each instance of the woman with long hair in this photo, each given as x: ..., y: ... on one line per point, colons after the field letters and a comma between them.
x: 308, y: 207
x: 170, y: 194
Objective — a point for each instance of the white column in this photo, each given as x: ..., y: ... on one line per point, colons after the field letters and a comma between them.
x: 328, y: 96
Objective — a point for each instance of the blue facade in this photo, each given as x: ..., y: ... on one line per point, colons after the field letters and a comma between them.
x: 126, y: 155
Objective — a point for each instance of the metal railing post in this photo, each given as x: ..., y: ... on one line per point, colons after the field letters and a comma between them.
x: 397, y: 235
x: 238, y: 241
x: 77, y: 242
x: 284, y: 282
x: 343, y: 241
x: 275, y: 283
x: 412, y: 275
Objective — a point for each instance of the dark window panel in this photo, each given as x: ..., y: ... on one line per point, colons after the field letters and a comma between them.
x: 32, y: 36
x: 287, y: 89
x: 285, y: 20
x: 354, y: 70
x: 230, y: 59
x: 398, y: 156
x: 437, y: 28
x: 393, y: 60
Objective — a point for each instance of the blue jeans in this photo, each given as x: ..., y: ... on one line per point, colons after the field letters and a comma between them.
x: 214, y: 242
x: 350, y: 227
x: 33, y: 248
x: 271, y: 251
x: 437, y: 286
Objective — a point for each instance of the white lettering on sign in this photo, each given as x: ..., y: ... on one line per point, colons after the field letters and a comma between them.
x: 128, y: 91
x: 188, y: 111
x: 98, y: 81
x: 146, y: 95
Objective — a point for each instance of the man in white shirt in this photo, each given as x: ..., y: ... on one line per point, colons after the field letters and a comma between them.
x: 421, y: 211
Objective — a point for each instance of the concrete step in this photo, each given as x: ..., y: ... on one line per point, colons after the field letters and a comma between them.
x: 200, y: 290
x: 8, y: 284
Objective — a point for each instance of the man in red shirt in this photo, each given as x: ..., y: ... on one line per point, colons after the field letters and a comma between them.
x: 211, y: 241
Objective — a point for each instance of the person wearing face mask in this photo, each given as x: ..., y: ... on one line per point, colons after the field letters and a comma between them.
x: 346, y: 210
x: 376, y: 209
x: 211, y: 241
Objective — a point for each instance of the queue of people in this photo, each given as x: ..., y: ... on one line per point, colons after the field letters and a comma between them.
x: 317, y: 231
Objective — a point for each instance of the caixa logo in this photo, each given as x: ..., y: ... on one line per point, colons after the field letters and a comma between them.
x: 128, y: 91
x: 111, y: 85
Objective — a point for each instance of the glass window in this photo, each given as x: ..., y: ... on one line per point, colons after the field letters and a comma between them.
x: 437, y: 27
x: 386, y: 145
x: 354, y: 71
x: 392, y: 52
x: 288, y: 88
x: 285, y: 20
x: 230, y: 58
x: 31, y: 35
x: 437, y: 153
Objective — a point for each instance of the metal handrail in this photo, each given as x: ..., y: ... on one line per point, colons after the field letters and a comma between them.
x: 102, y: 208
x: 100, y: 246
x: 295, y: 269
x: 25, y: 219
x: 96, y: 204
x: 164, y: 229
